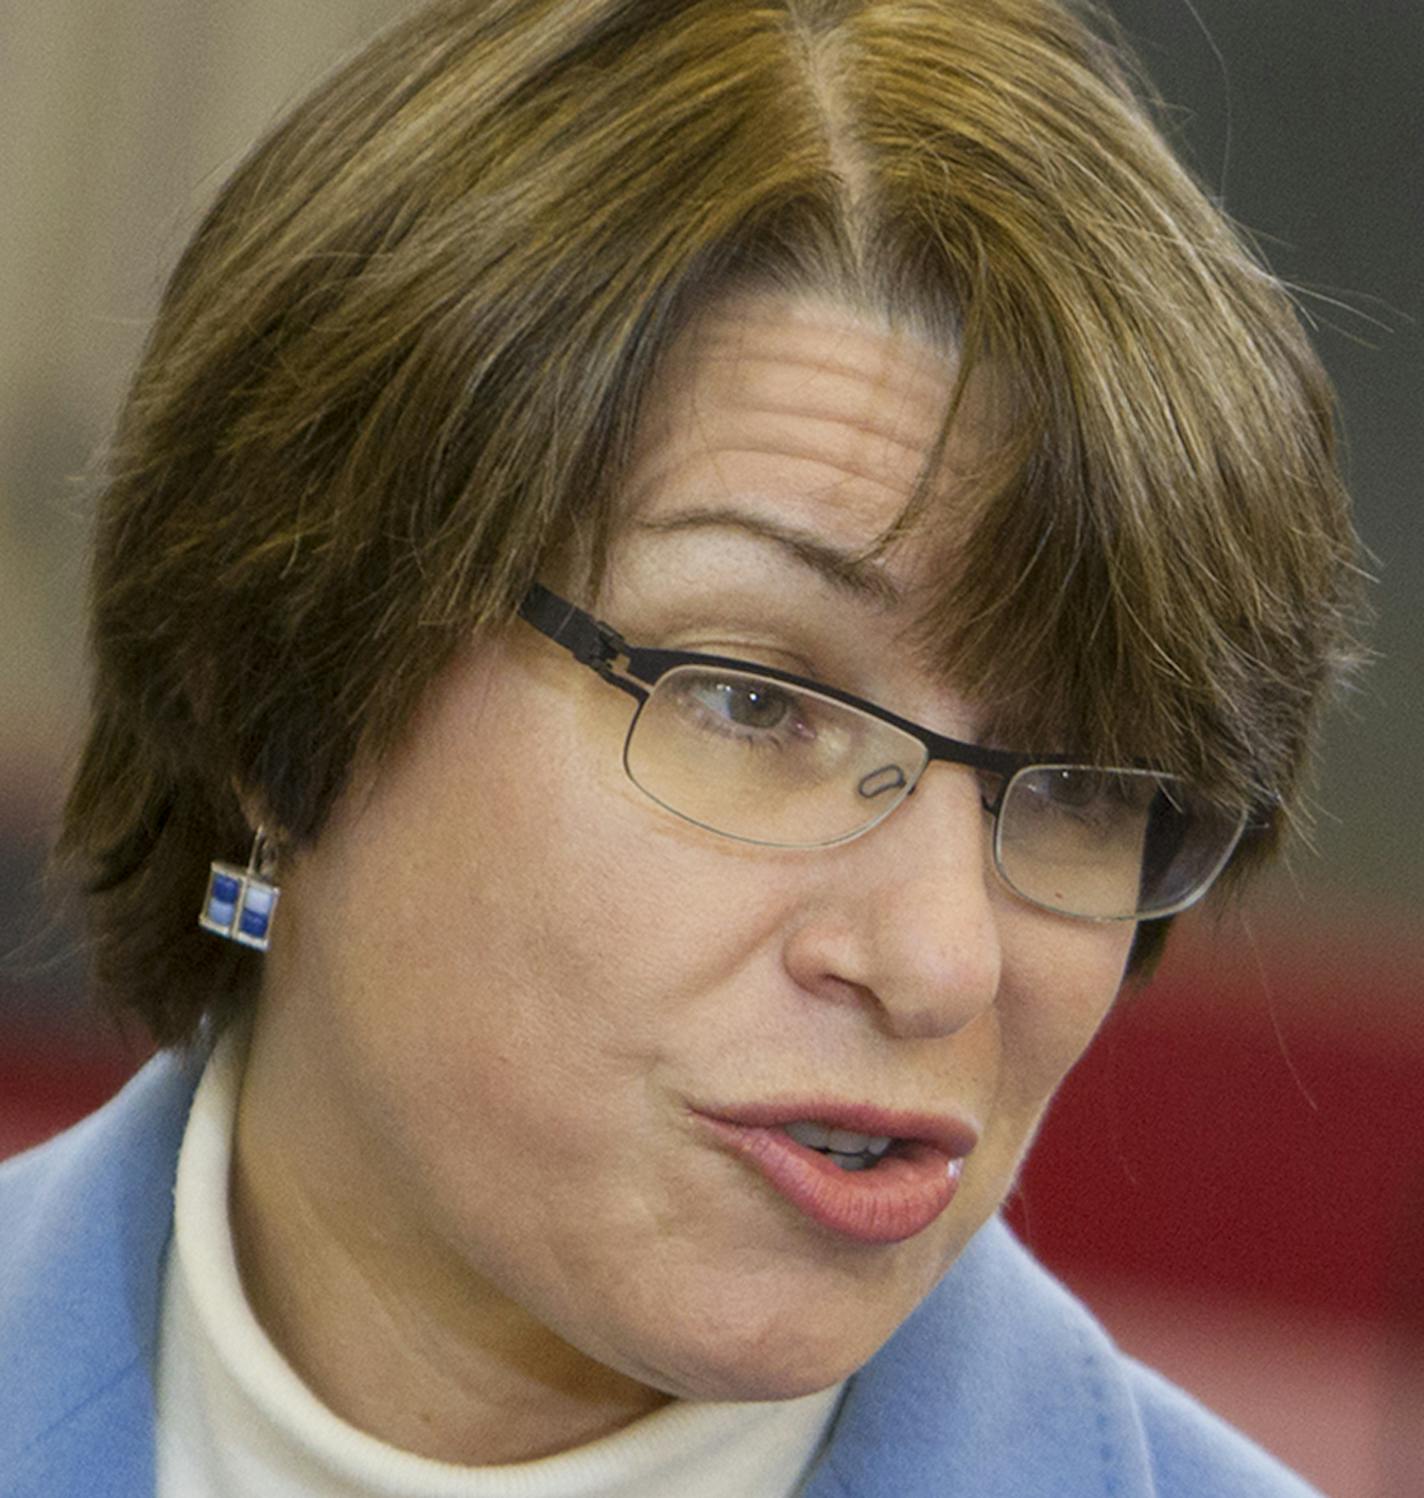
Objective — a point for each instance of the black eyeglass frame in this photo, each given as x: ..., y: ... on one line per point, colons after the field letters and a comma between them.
x: 597, y: 645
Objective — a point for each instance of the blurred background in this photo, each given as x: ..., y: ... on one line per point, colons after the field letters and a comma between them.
x: 1234, y: 1177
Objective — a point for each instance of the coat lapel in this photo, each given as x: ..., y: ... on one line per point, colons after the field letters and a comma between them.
x: 1000, y: 1386
x: 84, y: 1225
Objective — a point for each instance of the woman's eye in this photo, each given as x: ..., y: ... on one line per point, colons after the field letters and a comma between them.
x: 749, y: 704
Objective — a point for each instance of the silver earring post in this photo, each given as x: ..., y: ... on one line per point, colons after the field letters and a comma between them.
x: 239, y: 903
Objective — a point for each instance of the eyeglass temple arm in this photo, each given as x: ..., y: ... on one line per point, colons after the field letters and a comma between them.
x: 590, y: 642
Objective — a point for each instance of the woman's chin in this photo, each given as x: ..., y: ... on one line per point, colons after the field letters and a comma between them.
x: 771, y: 1330
x: 729, y: 1369
x: 753, y: 1382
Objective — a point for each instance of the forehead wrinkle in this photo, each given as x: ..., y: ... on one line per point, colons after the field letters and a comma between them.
x: 845, y: 570
x: 747, y: 426
x: 751, y: 351
x: 868, y: 426
x: 863, y: 425
x: 924, y: 375
x: 837, y: 468
x: 854, y: 398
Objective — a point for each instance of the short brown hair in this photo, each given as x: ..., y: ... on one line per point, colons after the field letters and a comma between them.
x: 402, y: 359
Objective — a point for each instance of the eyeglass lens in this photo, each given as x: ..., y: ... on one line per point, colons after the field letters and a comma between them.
x: 769, y: 763
x: 1110, y: 843
x: 766, y: 762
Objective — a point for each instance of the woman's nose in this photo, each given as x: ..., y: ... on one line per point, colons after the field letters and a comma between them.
x: 907, y: 916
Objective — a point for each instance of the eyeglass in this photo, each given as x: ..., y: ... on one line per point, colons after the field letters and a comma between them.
x: 763, y: 756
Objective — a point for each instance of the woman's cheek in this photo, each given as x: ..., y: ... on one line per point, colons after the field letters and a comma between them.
x: 1053, y: 1004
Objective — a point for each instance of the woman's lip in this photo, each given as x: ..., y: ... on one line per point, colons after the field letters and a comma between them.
x: 951, y: 1135
x: 890, y: 1202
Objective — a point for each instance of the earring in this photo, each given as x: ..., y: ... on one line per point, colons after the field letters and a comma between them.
x: 239, y: 902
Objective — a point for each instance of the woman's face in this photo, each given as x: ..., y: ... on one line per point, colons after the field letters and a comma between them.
x: 509, y: 991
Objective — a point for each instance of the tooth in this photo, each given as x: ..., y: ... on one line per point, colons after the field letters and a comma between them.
x: 847, y: 1142
x: 812, y: 1135
x: 844, y: 1141
x: 853, y: 1162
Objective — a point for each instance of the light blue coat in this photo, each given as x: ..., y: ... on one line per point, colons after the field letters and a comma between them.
x: 1000, y: 1385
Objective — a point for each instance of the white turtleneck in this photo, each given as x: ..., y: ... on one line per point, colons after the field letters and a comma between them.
x: 235, y: 1421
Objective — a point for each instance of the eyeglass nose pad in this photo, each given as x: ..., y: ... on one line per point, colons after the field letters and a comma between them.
x: 878, y: 782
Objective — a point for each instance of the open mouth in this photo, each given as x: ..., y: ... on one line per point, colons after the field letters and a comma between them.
x: 866, y: 1188
x: 844, y: 1147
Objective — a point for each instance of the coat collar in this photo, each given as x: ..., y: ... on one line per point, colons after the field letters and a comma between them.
x: 999, y: 1385
x: 84, y: 1225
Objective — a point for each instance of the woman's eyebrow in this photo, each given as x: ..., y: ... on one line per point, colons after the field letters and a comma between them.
x: 847, y: 571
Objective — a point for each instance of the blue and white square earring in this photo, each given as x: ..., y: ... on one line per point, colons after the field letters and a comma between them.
x: 240, y: 902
